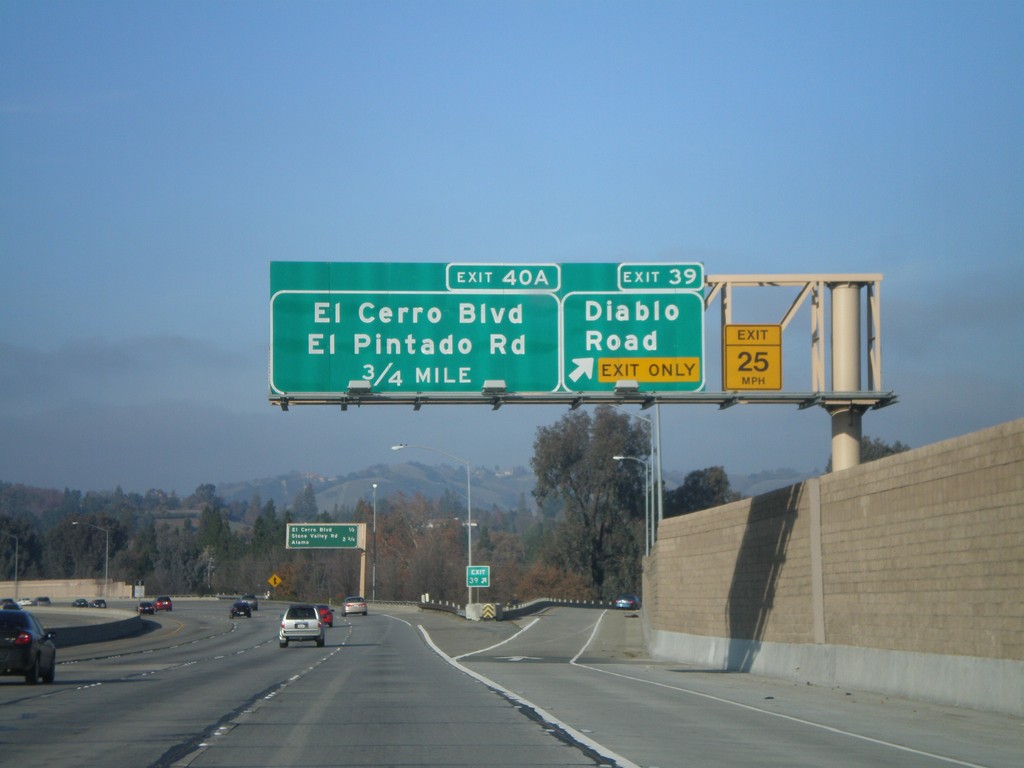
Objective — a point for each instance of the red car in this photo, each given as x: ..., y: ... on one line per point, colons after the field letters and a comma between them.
x: 162, y: 603
x: 326, y: 614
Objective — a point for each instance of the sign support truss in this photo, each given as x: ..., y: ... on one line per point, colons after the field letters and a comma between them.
x: 846, y: 395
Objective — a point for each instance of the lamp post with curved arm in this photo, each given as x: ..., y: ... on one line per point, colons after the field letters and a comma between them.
x: 12, y: 536
x: 647, y: 498
x: 656, y: 487
x: 373, y: 577
x: 469, y: 504
x: 106, y: 557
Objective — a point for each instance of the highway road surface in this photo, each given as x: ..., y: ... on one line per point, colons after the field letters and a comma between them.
x: 403, y: 687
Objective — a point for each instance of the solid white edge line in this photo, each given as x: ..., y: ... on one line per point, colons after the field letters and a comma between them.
x: 546, y: 716
x: 498, y: 645
x: 751, y: 708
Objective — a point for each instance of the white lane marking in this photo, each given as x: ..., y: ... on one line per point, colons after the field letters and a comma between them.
x: 497, y: 645
x: 546, y: 716
x: 790, y: 718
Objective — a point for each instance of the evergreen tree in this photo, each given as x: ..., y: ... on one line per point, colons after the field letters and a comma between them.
x: 601, y: 527
x: 701, y: 489
x: 304, y: 508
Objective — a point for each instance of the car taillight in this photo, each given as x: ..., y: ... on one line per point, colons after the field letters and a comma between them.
x: 23, y: 638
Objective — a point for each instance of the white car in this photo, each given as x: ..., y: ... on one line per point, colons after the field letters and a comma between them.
x: 301, y: 622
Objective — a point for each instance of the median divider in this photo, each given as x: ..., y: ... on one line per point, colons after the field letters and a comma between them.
x: 81, y: 626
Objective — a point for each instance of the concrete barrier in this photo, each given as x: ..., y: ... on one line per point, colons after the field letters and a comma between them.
x: 81, y: 626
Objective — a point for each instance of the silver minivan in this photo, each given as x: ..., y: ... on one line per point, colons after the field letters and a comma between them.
x: 301, y: 622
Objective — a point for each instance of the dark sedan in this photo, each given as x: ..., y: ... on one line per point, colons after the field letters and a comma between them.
x: 146, y: 607
x: 240, y: 608
x: 26, y: 649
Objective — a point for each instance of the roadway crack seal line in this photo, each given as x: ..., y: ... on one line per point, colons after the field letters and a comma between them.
x: 562, y: 731
x: 185, y: 753
x: 790, y: 718
x: 141, y: 651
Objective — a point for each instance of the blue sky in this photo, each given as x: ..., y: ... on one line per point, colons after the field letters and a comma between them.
x: 155, y: 158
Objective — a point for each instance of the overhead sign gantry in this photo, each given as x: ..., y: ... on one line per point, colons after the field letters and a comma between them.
x: 366, y: 333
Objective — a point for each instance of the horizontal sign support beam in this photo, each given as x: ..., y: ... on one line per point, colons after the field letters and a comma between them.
x: 828, y: 400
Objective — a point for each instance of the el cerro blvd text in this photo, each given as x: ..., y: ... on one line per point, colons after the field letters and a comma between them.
x: 371, y: 315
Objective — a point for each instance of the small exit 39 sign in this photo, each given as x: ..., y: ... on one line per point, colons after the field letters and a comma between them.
x: 752, y: 357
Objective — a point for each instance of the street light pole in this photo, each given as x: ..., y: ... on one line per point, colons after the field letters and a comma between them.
x: 373, y: 569
x: 647, y: 498
x: 653, y: 428
x: 12, y: 536
x: 106, y: 558
x: 469, y: 506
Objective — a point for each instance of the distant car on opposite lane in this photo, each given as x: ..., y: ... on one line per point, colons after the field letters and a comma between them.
x: 26, y: 648
x: 627, y: 602
x: 353, y: 604
x: 99, y: 602
x: 80, y: 602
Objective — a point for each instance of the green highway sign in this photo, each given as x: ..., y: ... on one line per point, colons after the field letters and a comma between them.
x: 429, y: 328
x: 651, y: 338
x: 637, y: 322
x: 325, y: 536
x: 478, y: 575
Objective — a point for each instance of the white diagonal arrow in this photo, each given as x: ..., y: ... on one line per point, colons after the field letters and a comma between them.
x: 584, y: 365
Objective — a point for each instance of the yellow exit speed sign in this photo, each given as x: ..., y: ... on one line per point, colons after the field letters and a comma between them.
x: 752, y: 357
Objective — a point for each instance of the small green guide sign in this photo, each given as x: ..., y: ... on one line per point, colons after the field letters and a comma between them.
x: 478, y: 576
x: 326, y: 536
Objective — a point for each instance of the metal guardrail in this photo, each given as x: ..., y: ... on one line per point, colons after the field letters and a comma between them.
x: 516, y: 610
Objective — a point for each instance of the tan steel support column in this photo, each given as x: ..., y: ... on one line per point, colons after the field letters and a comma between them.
x: 813, y: 487
x: 846, y: 423
x: 362, y: 572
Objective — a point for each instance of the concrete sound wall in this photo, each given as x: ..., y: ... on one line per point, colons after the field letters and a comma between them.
x: 65, y: 590
x: 903, y: 575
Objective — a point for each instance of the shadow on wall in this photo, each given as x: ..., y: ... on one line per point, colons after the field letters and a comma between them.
x: 759, y: 563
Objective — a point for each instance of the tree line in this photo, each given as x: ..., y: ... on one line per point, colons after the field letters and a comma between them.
x: 585, y: 541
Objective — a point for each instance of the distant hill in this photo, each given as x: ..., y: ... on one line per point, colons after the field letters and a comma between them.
x: 502, y: 488
x: 768, y: 480
x: 507, y: 489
